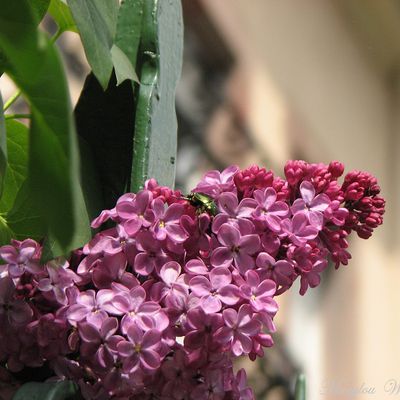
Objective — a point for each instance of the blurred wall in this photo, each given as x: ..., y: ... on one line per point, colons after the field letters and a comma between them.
x: 319, y: 80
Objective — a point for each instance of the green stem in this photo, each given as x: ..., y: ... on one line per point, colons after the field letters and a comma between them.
x: 54, y: 38
x: 11, y: 100
x: 16, y: 116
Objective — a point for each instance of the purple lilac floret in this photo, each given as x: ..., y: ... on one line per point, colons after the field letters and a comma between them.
x: 160, y: 304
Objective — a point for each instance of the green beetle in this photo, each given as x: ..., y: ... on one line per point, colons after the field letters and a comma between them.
x: 203, y: 203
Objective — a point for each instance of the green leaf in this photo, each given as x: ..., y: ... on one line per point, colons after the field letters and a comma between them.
x: 61, y: 14
x: 25, y: 219
x: 96, y: 21
x: 129, y: 28
x: 105, y: 124
x: 5, y: 232
x: 161, y: 61
x: 36, y: 68
x: 123, y: 67
x: 17, y: 163
x: 3, y: 147
x: 65, y: 390
x: 39, y: 8
x: 300, y: 389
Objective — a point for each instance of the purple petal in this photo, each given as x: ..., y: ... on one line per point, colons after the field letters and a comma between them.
x: 279, y: 208
x: 228, y: 235
x: 142, y: 200
x: 131, y: 363
x: 252, y: 278
x: 150, y: 359
x: 132, y: 225
x: 229, y: 294
x: 241, y: 344
x: 89, y: 333
x: 264, y: 260
x: 176, y: 233
x: 224, y: 335
x: 135, y: 334
x: 221, y: 257
x: 194, y: 339
x: 307, y: 191
x: 299, y: 222
x: 169, y: 272
x: 151, y: 339
x: 219, y: 277
x: 121, y: 304
x: 173, y: 213
x: 269, y: 198
x: 77, y: 312
x: 200, y: 286
x: 210, y: 304
x: 143, y: 264
x: 244, y: 314
x: 246, y: 208
x: 251, y: 328
x: 273, y: 222
x: 137, y: 295
x: 228, y: 203
x: 196, y: 267
x: 266, y: 288
x: 104, y: 357
x: 149, y: 307
x: 320, y: 203
x: 244, y: 262
x: 230, y: 317
x: 316, y: 219
x: 109, y: 327
x: 249, y: 243
x: 298, y: 206
x: 9, y: 254
x: 125, y: 348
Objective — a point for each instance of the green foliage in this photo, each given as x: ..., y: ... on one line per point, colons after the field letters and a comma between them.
x: 98, y: 113
x: 61, y: 14
x: 46, y: 194
x: 96, y: 21
x: 17, y: 163
x: 129, y: 28
x: 123, y: 67
x: 3, y: 147
x: 53, y: 159
x: 39, y: 8
x: 65, y: 390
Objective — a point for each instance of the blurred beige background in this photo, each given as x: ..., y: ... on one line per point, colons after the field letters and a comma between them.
x: 317, y: 80
x: 269, y: 80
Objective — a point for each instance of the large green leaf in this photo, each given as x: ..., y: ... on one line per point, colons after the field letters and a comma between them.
x: 96, y: 21
x: 129, y: 28
x: 25, y: 219
x: 155, y: 125
x: 105, y: 124
x: 17, y: 162
x: 123, y: 67
x: 65, y: 390
x: 5, y: 232
x: 36, y: 68
x: 61, y: 14
x: 39, y: 8
x: 3, y: 147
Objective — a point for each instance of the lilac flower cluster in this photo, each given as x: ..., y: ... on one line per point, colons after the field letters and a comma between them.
x: 162, y: 303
